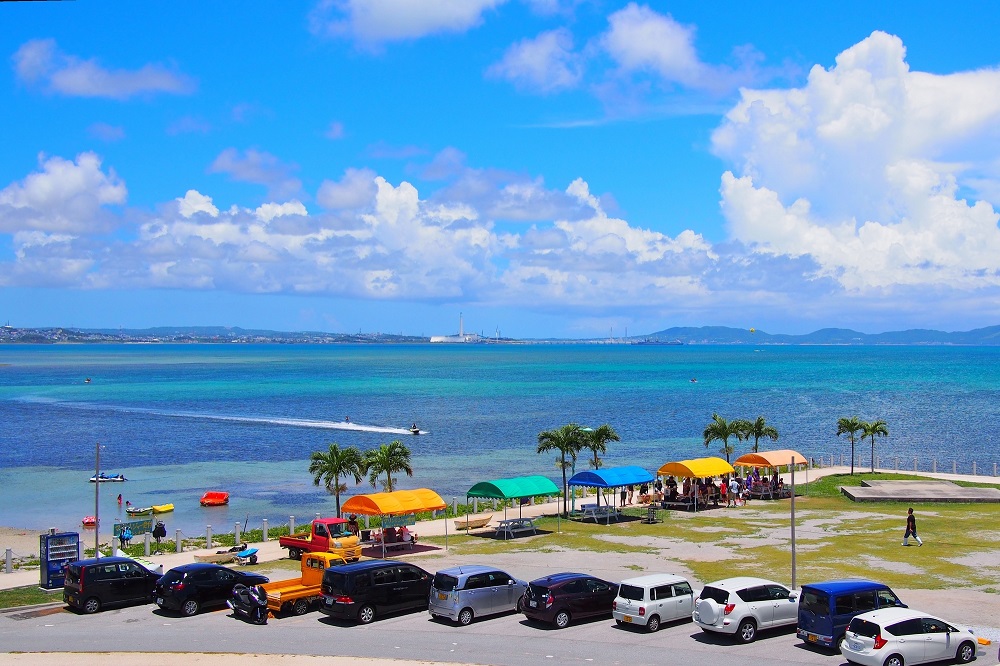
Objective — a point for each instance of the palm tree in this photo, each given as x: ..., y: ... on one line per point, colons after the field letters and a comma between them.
x: 850, y: 427
x: 567, y: 441
x: 387, y: 459
x: 759, y: 430
x: 721, y: 430
x: 875, y: 428
x: 329, y: 466
x: 596, y: 439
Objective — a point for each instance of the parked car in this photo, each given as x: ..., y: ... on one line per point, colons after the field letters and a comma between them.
x: 898, y: 636
x: 464, y: 593
x: 653, y: 599
x: 741, y: 606
x: 363, y: 590
x: 190, y: 587
x: 564, y: 597
x: 92, y: 584
x: 825, y: 609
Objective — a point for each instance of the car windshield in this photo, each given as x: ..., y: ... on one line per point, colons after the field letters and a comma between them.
x: 715, y: 594
x: 631, y: 592
x: 537, y: 591
x: 334, y: 582
x: 863, y: 628
x: 72, y: 574
x: 444, y: 582
x: 815, y: 601
x: 171, y: 577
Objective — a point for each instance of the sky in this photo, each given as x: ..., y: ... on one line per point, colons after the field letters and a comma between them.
x: 543, y: 168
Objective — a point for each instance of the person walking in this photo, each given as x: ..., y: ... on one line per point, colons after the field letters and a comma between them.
x: 911, y: 528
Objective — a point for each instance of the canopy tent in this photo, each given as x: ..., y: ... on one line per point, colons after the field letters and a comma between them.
x: 771, y: 458
x: 698, y: 468
x: 611, y: 477
x: 514, y: 488
x: 396, y: 503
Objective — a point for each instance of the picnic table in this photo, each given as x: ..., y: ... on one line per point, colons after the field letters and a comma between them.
x: 598, y: 512
x: 513, y: 526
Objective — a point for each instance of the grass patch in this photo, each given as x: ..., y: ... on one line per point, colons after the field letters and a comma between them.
x: 27, y: 596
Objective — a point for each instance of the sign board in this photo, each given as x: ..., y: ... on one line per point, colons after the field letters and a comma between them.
x: 55, y: 551
x: 137, y: 526
x: 399, y: 521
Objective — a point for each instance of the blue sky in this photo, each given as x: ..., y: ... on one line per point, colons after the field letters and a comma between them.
x: 546, y: 167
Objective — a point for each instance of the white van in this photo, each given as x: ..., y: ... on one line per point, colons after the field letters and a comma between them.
x: 653, y: 599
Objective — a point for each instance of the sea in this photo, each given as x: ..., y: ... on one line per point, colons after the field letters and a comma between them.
x: 178, y: 420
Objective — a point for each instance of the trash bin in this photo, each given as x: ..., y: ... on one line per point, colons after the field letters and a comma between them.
x: 366, y: 535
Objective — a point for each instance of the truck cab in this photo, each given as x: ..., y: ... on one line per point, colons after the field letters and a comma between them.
x: 326, y: 535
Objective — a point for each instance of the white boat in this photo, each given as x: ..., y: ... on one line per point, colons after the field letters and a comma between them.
x: 105, y: 478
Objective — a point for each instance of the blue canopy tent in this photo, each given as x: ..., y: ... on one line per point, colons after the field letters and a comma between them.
x: 611, y: 477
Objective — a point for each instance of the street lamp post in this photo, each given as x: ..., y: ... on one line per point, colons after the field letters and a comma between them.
x: 97, y: 502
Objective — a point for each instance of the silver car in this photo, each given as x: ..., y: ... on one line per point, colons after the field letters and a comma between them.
x: 466, y: 592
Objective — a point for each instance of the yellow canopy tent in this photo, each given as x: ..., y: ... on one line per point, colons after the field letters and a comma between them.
x: 396, y: 503
x: 698, y: 468
x: 771, y: 459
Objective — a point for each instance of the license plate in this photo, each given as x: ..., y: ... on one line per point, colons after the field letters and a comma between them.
x: 442, y: 596
x: 627, y: 618
x: 855, y: 645
x: 329, y: 601
x: 533, y: 603
x: 813, y: 638
x: 159, y: 601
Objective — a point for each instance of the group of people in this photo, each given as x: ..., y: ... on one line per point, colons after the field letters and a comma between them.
x: 732, y: 490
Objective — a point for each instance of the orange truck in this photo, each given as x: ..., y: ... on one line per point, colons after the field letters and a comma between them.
x: 295, y: 596
x: 326, y: 535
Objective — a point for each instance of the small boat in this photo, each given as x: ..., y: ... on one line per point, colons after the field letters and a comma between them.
x: 414, y: 430
x: 162, y: 508
x: 139, y: 511
x: 89, y: 521
x: 216, y: 558
x: 87, y: 380
x: 105, y: 478
x: 215, y: 498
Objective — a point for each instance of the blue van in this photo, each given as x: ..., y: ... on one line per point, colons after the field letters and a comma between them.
x: 825, y: 609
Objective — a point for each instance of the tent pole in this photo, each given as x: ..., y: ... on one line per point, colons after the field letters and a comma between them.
x: 382, y: 521
x: 446, y: 525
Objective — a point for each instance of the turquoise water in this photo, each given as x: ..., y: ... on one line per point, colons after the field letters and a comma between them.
x: 182, y: 419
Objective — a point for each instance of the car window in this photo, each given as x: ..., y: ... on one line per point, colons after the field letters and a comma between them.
x: 384, y: 576
x: 887, y: 598
x: 407, y: 574
x: 475, y: 582
x: 497, y: 578
x: 933, y: 626
x: 863, y: 628
x: 574, y: 587
x: 444, y: 582
x: 225, y: 575
x: 717, y: 595
x: 816, y: 601
x: 104, y: 572
x: 777, y: 592
x: 663, y: 592
x: 633, y: 592
x: 682, y: 589
x: 321, y: 530
x: 906, y: 628
x: 864, y: 601
x: 595, y: 585
x: 844, y: 604
x: 758, y: 593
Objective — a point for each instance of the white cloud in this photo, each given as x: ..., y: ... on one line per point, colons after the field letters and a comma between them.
x: 640, y: 38
x: 861, y: 170
x: 194, y: 202
x: 40, y: 63
x: 356, y: 190
x: 64, y: 197
x: 546, y: 63
x: 259, y: 167
x: 270, y: 211
x: 377, y: 21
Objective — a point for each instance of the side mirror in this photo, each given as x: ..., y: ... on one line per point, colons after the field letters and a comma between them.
x: 792, y: 596
x: 510, y: 582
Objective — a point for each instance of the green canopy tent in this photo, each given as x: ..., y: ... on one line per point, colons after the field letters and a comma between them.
x: 517, y: 488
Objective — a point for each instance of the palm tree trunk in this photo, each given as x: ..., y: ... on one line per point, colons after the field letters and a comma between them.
x: 565, y: 487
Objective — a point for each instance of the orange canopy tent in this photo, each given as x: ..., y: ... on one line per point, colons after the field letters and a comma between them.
x: 396, y: 503
x: 771, y: 459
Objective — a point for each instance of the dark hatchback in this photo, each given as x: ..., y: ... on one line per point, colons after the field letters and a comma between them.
x: 363, y: 590
x: 564, y: 597
x: 110, y: 581
x: 190, y: 587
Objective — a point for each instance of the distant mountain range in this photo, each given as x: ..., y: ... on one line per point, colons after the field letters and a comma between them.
x: 722, y: 335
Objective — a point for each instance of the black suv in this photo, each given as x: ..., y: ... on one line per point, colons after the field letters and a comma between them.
x: 361, y: 590
x: 189, y: 587
x: 93, y: 584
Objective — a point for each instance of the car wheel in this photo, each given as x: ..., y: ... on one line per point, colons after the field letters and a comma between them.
x: 253, y: 559
x: 966, y: 653
x: 839, y: 643
x: 465, y: 617
x: 300, y: 607
x: 893, y: 660
x: 294, y: 554
x: 190, y: 607
x: 747, y: 631
x: 519, y: 606
x: 91, y: 605
x: 561, y: 620
x: 366, y: 614
x: 653, y: 623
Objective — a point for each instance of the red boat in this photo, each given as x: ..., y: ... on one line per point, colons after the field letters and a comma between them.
x: 89, y: 521
x: 215, y: 498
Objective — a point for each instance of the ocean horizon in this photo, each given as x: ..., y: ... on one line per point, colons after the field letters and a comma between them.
x: 178, y: 420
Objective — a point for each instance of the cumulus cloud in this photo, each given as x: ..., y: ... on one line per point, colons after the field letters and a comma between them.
x: 356, y: 190
x: 65, y: 196
x: 861, y: 170
x: 194, y: 202
x: 40, y: 63
x: 546, y: 63
x: 374, y: 22
x: 258, y: 167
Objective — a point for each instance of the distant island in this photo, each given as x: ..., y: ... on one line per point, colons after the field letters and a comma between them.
x: 698, y: 335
